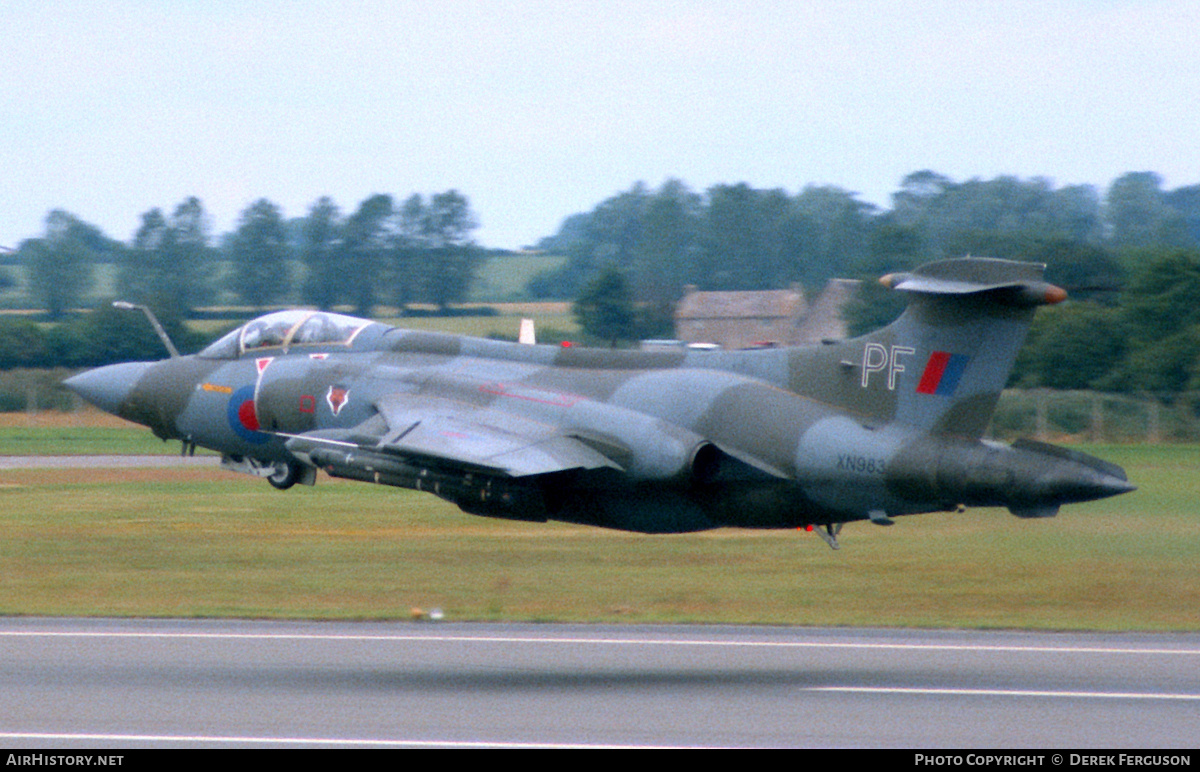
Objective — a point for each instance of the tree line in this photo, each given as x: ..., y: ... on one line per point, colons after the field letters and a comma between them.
x: 735, y: 237
x: 1130, y: 259
x: 418, y: 251
x: 1128, y: 255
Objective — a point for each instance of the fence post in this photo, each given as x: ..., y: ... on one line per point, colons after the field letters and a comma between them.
x: 1041, y: 429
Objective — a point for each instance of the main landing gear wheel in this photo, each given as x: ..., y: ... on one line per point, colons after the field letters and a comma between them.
x: 284, y: 476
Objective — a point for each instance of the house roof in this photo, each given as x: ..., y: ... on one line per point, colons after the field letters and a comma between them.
x: 824, y: 318
x: 774, y: 304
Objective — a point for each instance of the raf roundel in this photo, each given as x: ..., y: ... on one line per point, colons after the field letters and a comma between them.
x: 242, y: 416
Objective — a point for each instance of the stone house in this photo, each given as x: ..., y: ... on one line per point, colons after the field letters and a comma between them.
x: 764, y: 318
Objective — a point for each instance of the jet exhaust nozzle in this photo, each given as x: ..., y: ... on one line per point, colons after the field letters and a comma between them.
x: 1031, y: 478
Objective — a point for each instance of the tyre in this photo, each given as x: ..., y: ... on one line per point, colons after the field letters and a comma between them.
x: 284, y: 476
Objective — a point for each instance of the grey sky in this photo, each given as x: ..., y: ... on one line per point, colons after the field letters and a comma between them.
x: 536, y: 110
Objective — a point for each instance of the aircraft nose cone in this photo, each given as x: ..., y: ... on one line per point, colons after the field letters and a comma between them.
x: 108, y: 387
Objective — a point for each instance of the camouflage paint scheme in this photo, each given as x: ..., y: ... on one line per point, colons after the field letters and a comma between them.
x: 872, y: 428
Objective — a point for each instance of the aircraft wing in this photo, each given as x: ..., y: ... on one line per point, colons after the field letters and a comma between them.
x: 448, y: 432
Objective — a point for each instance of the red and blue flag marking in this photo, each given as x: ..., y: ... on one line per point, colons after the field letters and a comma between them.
x: 942, y: 373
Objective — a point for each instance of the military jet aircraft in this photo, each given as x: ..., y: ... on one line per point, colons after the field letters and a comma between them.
x: 871, y: 428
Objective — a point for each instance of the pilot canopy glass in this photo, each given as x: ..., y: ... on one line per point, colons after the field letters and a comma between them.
x: 285, y: 329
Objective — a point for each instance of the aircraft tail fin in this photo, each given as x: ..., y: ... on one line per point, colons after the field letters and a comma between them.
x: 941, y: 366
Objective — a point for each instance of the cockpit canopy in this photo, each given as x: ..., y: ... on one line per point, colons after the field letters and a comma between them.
x: 285, y: 329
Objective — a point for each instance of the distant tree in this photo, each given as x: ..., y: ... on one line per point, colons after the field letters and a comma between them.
x: 764, y: 239
x: 1086, y: 271
x: 195, y: 275
x: 1005, y: 204
x: 834, y: 239
x: 1077, y: 214
x: 605, y: 309
x: 999, y: 217
x: 1163, y: 295
x: 140, y: 276
x: 1167, y: 365
x: 59, y: 265
x: 591, y: 241
x: 68, y: 346
x: 730, y: 247
x: 323, y: 254
x: 892, y: 247
x: 22, y: 343
x: 407, y: 275
x: 1186, y: 202
x: 873, y: 306
x: 107, y: 335
x: 666, y: 247
x: 564, y: 281
x: 608, y: 235
x: 919, y: 201
x: 259, y: 254
x: 666, y: 243
x: 1138, y: 215
x: 454, y: 259
x: 1061, y: 351
x: 570, y: 234
x: 795, y: 242
x: 733, y: 237
x: 368, y: 245
x: 613, y: 231
x: 169, y: 266
x: 1160, y: 308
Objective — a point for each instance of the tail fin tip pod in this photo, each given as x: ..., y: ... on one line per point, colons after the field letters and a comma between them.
x: 1010, y: 282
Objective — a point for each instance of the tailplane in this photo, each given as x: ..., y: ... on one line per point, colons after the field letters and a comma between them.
x: 941, y: 366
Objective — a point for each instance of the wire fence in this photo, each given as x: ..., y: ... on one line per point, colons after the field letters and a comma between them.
x: 1092, y: 416
x: 34, y: 390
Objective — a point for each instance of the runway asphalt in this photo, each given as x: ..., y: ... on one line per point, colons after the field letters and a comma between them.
x: 105, y: 462
x: 106, y: 683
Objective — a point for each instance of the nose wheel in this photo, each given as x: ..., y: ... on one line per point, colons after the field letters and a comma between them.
x: 281, y: 474
x: 284, y: 475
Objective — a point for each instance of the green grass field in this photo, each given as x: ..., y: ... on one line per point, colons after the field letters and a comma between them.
x: 552, y: 318
x: 34, y: 440
x: 503, y: 278
x: 212, y: 543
